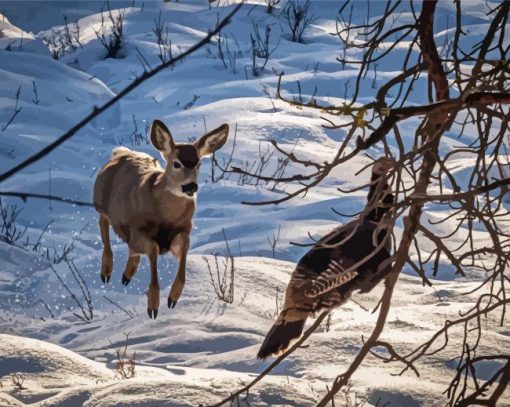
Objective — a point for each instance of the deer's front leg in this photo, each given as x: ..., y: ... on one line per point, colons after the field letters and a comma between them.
x: 152, y: 251
x: 179, y: 248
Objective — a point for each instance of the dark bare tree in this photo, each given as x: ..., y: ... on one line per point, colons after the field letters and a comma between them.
x: 468, y: 96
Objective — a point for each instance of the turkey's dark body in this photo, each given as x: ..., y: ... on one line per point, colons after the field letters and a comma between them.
x: 352, y: 257
x: 348, y: 245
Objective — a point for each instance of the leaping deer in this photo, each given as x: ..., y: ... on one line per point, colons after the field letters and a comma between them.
x: 150, y: 207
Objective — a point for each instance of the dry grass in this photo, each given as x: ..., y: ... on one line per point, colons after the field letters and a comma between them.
x: 125, y: 365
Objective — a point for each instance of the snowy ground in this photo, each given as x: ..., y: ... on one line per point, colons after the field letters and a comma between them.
x: 204, y: 348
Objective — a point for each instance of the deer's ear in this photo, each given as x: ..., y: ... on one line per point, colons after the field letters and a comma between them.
x: 212, y: 141
x: 161, y: 137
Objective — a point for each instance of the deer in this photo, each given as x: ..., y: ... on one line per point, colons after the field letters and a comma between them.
x: 151, y: 207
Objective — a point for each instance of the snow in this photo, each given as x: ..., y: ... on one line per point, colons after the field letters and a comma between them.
x: 56, y: 376
x: 207, y: 348
x: 203, y: 349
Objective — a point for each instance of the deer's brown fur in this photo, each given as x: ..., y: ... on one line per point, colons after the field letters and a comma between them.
x: 151, y: 207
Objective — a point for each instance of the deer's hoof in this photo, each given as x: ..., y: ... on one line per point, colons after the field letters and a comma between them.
x: 125, y: 280
x: 153, y: 301
x: 171, y: 303
x: 105, y: 279
x: 153, y: 313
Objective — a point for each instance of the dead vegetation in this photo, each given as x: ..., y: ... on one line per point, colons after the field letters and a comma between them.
x: 125, y: 364
x: 111, y: 38
x: 273, y: 241
x: 298, y: 16
x: 222, y: 274
x: 271, y: 5
x: 228, y: 51
x: 63, y: 41
x: 10, y: 232
x: 278, y: 304
x: 80, y: 296
x: 17, y: 381
x: 261, y: 49
x: 160, y: 31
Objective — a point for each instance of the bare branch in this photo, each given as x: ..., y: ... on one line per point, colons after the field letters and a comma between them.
x: 133, y: 85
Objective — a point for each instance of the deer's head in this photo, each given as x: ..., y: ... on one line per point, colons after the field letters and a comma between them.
x: 183, y: 159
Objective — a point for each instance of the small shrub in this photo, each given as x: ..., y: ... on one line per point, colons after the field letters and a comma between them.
x: 274, y: 241
x: 279, y: 301
x: 162, y: 38
x: 114, y: 41
x: 260, y: 48
x: 125, y: 365
x: 17, y: 381
x: 137, y: 136
x: 9, y: 232
x: 64, y: 41
x: 84, y: 302
x: 271, y: 5
x: 298, y: 17
x: 229, y: 51
x: 223, y: 276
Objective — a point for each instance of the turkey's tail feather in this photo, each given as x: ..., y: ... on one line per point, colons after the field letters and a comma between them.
x: 280, y: 336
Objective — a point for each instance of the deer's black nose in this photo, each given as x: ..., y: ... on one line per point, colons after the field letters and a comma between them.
x: 190, y: 189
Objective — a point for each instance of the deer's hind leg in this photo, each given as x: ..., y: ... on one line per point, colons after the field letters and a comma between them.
x: 141, y: 243
x: 131, y: 267
x: 107, y: 258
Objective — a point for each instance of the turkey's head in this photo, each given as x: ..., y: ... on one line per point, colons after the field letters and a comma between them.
x: 383, y: 165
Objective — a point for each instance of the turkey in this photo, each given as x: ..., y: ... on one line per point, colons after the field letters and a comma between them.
x: 354, y: 256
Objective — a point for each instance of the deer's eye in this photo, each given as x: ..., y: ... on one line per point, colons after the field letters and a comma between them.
x: 177, y: 165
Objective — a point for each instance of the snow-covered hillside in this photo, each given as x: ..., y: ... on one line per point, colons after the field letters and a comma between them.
x: 204, y: 348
